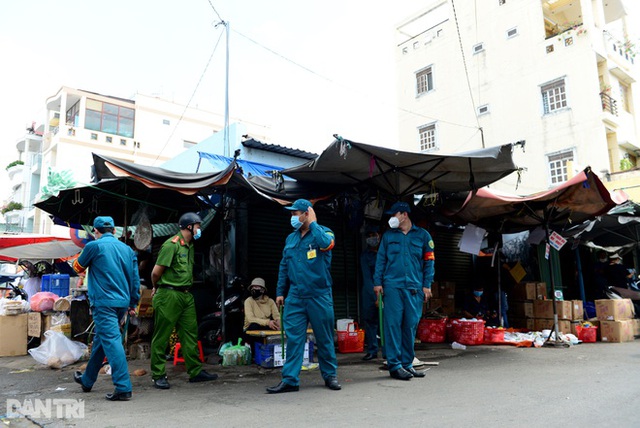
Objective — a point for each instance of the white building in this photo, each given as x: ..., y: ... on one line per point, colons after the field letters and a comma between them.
x: 24, y: 179
x: 558, y: 74
x: 147, y: 130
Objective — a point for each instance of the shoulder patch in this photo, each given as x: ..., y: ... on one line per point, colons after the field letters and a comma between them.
x: 175, y: 239
x: 431, y: 245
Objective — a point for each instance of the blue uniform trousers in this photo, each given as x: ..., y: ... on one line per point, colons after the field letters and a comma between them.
x: 298, y: 313
x: 402, y: 310
x: 370, y: 322
x: 108, y: 341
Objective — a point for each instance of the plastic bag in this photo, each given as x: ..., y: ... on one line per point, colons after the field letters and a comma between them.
x: 238, y: 355
x: 57, y: 350
x: 43, y: 301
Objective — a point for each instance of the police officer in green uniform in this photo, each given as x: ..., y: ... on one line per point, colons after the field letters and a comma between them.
x: 404, y: 273
x: 173, y: 304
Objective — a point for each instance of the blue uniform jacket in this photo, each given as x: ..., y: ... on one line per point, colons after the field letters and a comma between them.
x: 113, y: 272
x: 405, y: 261
x: 305, y: 268
x: 368, y: 266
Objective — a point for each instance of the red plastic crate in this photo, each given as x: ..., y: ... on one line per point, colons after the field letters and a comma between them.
x: 493, y: 335
x: 351, y: 340
x: 432, y: 330
x: 468, y: 332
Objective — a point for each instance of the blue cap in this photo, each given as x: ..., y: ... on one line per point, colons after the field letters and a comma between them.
x: 300, y: 205
x: 399, y: 207
x: 104, y: 221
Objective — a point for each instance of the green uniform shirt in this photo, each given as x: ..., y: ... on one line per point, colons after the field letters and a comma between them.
x: 178, y: 257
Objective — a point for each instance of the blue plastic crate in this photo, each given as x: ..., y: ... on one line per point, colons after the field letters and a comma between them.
x: 264, y: 354
x: 56, y: 283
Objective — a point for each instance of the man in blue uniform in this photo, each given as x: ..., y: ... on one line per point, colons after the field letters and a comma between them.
x: 370, y: 319
x: 404, y: 273
x: 114, y: 286
x: 305, y: 278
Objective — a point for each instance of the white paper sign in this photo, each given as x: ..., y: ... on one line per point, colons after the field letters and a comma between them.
x: 471, y: 240
x: 556, y: 240
x: 278, y: 361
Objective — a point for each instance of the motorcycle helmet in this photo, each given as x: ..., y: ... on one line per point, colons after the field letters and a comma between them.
x: 188, y: 219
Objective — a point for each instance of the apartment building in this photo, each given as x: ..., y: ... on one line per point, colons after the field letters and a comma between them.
x: 147, y: 130
x: 24, y: 180
x: 558, y: 74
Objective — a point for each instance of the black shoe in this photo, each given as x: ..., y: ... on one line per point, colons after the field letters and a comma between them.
x: 332, y: 383
x: 282, y: 387
x: 77, y: 376
x: 401, y: 374
x: 369, y: 357
x: 119, y: 396
x: 161, y: 383
x: 203, y: 376
x: 416, y: 373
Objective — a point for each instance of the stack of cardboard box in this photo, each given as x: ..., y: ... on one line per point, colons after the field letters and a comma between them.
x: 443, y: 297
x: 521, y: 304
x: 616, y: 320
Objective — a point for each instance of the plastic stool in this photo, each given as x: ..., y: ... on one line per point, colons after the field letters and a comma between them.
x: 177, y: 359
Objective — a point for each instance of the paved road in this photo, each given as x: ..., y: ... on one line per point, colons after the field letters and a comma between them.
x: 589, y: 385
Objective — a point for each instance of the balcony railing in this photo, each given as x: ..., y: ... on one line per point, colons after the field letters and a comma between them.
x: 609, y: 104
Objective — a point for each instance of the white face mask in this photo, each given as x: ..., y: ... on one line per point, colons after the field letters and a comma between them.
x: 394, y: 222
x: 372, y: 241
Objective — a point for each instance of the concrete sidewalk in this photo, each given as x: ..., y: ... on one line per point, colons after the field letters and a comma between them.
x: 585, y: 385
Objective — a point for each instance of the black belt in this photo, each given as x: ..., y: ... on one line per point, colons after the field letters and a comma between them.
x: 171, y: 287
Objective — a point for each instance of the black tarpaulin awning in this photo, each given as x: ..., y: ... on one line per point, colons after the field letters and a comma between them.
x: 160, y: 178
x: 401, y: 174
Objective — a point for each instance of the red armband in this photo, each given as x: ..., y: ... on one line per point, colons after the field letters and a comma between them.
x: 429, y: 255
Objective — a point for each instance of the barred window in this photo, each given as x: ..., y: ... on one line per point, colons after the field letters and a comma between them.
x: 424, y: 81
x: 554, y: 96
x: 558, y: 170
x: 428, y: 137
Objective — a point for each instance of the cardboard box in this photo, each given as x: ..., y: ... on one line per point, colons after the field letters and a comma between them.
x: 614, y: 309
x: 544, y: 309
x: 530, y: 291
x: 446, y: 306
x: 434, y: 290
x: 446, y: 290
x: 523, y: 323
x: 34, y: 324
x: 13, y: 331
x: 521, y: 308
x: 577, y: 310
x: 617, y: 331
x: 564, y: 326
x: 145, y: 305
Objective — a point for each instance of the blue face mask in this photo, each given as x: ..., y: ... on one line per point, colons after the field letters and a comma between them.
x: 295, y: 222
x: 477, y: 293
x: 198, y: 234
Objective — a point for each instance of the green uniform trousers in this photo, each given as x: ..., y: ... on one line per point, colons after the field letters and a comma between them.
x: 174, y: 309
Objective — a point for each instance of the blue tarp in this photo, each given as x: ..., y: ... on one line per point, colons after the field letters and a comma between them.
x: 248, y: 168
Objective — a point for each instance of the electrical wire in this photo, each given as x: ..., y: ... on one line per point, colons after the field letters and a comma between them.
x: 464, y: 61
x: 190, y: 99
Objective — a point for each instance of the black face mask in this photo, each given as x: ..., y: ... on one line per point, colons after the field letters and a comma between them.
x: 257, y: 293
